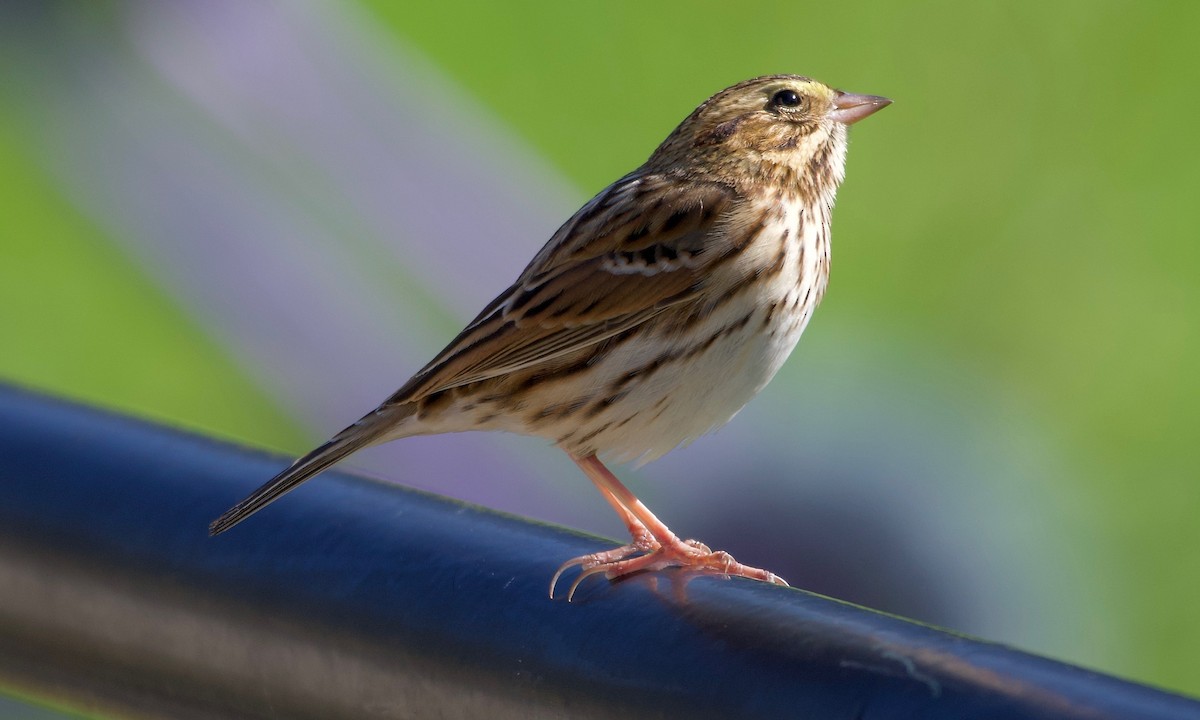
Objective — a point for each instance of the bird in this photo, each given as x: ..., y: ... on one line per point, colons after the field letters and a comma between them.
x: 650, y: 318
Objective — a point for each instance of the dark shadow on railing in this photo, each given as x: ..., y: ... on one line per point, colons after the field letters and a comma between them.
x: 351, y: 598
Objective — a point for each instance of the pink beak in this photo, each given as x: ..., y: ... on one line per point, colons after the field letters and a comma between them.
x: 851, y: 108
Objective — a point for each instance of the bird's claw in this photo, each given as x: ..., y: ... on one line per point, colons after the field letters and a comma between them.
x: 692, y: 556
x: 594, y: 563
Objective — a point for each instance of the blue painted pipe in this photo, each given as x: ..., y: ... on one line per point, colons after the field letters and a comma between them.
x: 352, y: 598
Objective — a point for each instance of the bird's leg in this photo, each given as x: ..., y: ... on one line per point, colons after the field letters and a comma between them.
x: 642, y: 538
x: 661, y: 548
x: 642, y: 541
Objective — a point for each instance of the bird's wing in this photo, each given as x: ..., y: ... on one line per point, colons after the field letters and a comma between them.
x: 639, y: 247
x: 642, y: 245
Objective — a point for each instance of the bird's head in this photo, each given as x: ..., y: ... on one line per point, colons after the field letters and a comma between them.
x: 784, y: 128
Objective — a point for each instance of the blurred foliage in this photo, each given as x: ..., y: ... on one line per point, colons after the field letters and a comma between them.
x: 79, y: 318
x: 1025, y: 211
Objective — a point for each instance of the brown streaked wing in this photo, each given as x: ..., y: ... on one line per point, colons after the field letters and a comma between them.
x: 636, y: 249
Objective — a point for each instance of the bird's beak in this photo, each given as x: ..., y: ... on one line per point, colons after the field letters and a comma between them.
x: 851, y: 108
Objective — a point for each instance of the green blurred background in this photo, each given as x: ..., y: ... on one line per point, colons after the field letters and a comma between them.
x: 1000, y: 387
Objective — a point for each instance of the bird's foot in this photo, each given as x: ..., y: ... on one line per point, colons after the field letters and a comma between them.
x: 692, y: 556
x: 643, y: 542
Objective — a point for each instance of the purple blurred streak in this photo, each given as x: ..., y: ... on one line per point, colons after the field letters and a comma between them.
x: 308, y: 213
x: 429, y: 175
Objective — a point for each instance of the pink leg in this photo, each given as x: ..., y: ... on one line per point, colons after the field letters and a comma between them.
x: 637, y: 530
x: 661, y: 548
x: 642, y: 541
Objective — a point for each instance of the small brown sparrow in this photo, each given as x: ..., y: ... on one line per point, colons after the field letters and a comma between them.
x: 651, y: 317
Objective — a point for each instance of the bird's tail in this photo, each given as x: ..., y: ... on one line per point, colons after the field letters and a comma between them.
x: 366, y: 431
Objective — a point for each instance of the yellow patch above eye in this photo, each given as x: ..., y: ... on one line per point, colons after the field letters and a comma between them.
x: 808, y: 89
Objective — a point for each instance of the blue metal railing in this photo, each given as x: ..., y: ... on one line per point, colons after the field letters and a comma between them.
x: 357, y: 599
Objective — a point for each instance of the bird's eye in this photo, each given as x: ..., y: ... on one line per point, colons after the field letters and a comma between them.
x: 786, y: 98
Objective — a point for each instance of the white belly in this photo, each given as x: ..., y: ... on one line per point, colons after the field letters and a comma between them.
x: 687, y: 398
x: 671, y: 381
